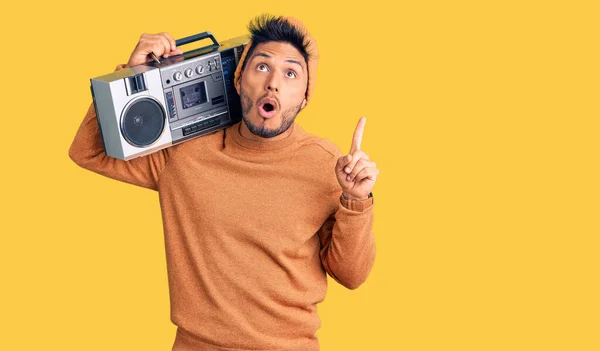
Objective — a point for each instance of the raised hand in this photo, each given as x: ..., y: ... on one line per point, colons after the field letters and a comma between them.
x: 355, y: 172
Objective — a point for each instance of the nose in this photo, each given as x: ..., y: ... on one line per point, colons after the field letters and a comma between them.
x: 272, y: 83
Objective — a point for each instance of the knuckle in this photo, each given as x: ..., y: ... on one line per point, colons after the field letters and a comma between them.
x: 361, y: 154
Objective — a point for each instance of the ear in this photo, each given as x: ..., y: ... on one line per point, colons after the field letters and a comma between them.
x: 238, y: 85
x: 303, y: 104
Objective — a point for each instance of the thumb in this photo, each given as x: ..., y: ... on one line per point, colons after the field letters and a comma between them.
x: 342, y: 162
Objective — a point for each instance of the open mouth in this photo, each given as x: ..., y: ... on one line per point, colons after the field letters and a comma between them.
x: 267, y: 108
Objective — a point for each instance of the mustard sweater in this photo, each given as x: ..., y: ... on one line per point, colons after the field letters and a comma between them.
x: 251, y: 229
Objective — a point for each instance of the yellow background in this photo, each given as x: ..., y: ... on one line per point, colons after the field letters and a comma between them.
x: 483, y: 117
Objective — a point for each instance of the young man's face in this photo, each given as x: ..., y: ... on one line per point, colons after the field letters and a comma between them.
x: 272, y: 88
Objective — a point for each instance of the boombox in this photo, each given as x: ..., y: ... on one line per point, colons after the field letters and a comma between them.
x: 148, y: 107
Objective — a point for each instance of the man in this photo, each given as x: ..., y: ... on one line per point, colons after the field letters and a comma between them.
x: 255, y: 214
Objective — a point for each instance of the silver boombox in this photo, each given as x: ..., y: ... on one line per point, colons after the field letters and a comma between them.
x: 145, y: 108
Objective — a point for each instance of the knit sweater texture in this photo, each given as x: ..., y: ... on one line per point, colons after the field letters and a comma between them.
x: 251, y: 231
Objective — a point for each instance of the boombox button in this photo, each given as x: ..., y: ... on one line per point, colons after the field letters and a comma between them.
x: 186, y: 130
x: 194, y: 128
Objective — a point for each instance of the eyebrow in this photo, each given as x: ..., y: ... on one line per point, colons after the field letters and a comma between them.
x: 288, y: 60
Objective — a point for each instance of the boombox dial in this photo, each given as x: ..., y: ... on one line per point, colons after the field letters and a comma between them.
x: 200, y: 69
x: 189, y: 72
x: 177, y: 76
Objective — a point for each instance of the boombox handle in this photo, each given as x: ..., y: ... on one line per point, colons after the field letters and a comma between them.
x: 196, y: 37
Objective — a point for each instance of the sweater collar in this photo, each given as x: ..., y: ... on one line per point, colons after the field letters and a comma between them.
x: 264, y: 145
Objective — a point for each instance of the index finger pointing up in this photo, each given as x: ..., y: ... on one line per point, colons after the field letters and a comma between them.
x: 358, y: 134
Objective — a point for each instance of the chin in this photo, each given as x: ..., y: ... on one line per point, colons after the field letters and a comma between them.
x: 265, y: 128
x: 272, y: 123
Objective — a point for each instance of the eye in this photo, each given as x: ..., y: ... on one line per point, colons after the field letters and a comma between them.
x: 262, y: 67
x: 293, y: 74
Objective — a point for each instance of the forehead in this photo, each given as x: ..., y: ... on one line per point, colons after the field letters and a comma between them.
x: 278, y: 51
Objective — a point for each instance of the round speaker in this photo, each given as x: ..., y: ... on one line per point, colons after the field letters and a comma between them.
x: 143, y: 122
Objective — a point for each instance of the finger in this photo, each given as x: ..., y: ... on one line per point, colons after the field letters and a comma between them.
x: 140, y: 52
x: 172, y: 41
x: 144, y: 36
x: 146, y: 44
x: 356, y: 156
x: 155, y: 47
x: 368, y: 173
x: 166, y: 44
x: 358, y: 134
x: 360, y: 165
x: 177, y: 51
x: 342, y: 162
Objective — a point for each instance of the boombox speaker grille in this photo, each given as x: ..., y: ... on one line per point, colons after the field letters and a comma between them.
x: 143, y: 122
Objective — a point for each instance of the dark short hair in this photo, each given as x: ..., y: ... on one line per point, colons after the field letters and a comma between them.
x: 265, y: 28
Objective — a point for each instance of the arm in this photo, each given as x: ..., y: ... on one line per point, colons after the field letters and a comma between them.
x: 87, y: 151
x: 348, y: 242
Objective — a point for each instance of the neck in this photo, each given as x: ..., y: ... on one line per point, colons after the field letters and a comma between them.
x: 247, y: 134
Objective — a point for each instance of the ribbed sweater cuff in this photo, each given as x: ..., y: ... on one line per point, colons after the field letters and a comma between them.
x: 357, y: 205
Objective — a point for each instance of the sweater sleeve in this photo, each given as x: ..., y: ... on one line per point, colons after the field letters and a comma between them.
x: 348, y: 243
x: 87, y: 151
